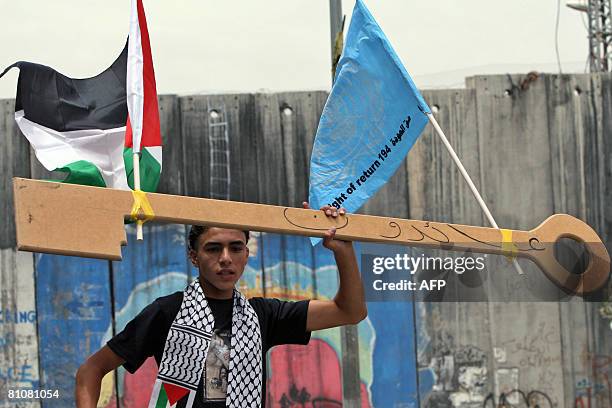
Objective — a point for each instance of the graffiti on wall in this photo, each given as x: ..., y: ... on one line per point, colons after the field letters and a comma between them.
x: 19, y: 369
x: 73, y: 307
x: 596, y: 388
x: 451, y: 374
x: 460, y: 376
x: 517, y: 397
x: 302, y: 389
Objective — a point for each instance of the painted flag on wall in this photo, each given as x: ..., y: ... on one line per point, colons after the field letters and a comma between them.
x: 82, y: 127
x: 372, y: 117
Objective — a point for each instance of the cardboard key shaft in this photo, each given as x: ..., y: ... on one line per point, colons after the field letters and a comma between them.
x: 88, y: 221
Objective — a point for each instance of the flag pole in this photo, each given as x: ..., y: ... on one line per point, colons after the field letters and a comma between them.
x: 136, y: 160
x: 349, y: 336
x: 468, y: 179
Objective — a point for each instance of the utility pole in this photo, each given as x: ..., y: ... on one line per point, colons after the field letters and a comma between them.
x: 349, y: 337
x: 600, y: 29
x: 599, y: 14
x: 335, y: 23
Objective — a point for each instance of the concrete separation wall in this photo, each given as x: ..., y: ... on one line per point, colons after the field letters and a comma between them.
x: 533, y: 145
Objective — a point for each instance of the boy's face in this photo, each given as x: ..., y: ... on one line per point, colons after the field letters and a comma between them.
x: 220, y: 257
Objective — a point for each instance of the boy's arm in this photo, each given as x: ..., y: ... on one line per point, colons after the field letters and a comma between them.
x: 89, y: 376
x: 348, y: 306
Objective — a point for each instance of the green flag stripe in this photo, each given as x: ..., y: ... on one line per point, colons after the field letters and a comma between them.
x: 82, y: 172
x: 150, y: 169
x: 162, y: 399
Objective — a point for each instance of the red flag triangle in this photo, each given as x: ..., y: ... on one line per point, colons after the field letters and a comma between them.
x: 174, y: 392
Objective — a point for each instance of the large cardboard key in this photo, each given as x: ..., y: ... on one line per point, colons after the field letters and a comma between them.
x: 88, y: 221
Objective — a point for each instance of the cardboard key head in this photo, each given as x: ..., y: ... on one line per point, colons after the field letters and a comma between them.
x: 597, y: 271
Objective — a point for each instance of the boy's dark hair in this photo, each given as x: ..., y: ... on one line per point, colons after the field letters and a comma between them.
x: 197, y: 230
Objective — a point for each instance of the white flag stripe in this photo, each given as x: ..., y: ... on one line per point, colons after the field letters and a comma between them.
x: 155, y: 393
x: 191, y: 399
x: 134, y: 82
x: 102, y: 148
x: 156, y: 152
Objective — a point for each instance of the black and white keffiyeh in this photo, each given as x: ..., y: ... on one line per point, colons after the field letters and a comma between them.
x: 187, y: 345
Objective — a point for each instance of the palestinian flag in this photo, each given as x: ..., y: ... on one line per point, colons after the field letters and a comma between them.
x: 166, y: 395
x: 82, y: 126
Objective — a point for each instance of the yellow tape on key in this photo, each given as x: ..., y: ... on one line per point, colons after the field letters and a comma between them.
x: 508, y: 245
x: 141, y: 209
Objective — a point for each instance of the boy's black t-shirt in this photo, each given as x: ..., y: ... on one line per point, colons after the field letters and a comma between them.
x: 280, y: 322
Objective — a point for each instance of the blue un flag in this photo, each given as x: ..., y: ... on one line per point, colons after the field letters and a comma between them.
x: 371, y: 119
